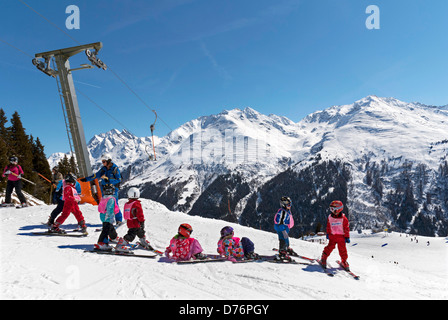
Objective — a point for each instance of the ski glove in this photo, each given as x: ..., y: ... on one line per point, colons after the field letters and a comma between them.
x: 347, y: 240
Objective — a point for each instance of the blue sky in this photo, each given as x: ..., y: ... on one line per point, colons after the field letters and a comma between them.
x: 188, y: 58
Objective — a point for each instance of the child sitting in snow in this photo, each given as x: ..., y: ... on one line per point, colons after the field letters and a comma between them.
x: 183, y: 247
x: 232, y: 247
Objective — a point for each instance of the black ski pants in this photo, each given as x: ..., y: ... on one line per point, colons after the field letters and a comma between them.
x: 108, y: 231
x: 10, y: 186
x: 133, y: 232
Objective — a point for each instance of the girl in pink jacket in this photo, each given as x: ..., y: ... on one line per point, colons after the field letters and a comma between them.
x: 230, y: 246
x: 14, y: 173
x: 183, y: 247
x: 234, y: 248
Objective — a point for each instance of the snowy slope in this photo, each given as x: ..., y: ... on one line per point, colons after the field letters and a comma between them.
x: 42, y: 267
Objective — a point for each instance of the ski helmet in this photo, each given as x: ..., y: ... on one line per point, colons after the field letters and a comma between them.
x: 336, y: 206
x: 226, y: 231
x: 185, y: 230
x: 106, y: 158
x: 285, y: 202
x: 108, y: 190
x: 70, y: 178
x: 133, y: 193
x: 13, y: 159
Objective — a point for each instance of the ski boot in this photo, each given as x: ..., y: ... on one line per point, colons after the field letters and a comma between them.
x: 101, y: 246
x: 55, y: 228
x: 200, y: 256
x: 122, y: 245
x: 283, y: 256
x: 345, y: 265
x: 251, y: 256
x: 323, y: 261
x: 82, y: 226
x: 50, y: 222
x: 145, y: 243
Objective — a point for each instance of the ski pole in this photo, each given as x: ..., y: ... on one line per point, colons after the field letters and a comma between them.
x: 22, y: 178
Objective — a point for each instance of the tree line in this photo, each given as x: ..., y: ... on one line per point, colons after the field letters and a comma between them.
x: 14, y: 141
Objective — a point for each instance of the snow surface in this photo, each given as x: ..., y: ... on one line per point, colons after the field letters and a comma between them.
x: 391, y: 266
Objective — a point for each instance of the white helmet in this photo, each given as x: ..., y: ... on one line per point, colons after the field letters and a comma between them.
x: 133, y: 193
x: 106, y: 157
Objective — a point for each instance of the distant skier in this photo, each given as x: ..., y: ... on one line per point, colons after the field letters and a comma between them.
x: 232, y: 247
x: 109, y: 174
x: 283, y: 222
x: 183, y: 247
x: 71, y: 199
x: 338, y: 233
x: 108, y: 209
x: 133, y: 214
x: 14, y: 173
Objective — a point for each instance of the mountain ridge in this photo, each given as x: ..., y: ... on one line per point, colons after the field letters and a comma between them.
x: 219, y: 165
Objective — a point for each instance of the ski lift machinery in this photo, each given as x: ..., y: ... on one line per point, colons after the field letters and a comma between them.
x: 90, y: 191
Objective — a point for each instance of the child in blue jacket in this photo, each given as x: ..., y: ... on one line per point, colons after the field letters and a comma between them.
x: 109, y: 174
x: 283, y: 222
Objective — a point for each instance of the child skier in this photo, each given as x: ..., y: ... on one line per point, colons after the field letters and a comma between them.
x: 71, y: 199
x: 60, y: 202
x: 283, y: 222
x: 232, y: 247
x: 133, y: 214
x: 183, y: 247
x: 107, y: 208
x: 338, y: 232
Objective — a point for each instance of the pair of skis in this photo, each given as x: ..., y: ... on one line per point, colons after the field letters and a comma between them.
x: 324, y: 267
x: 12, y: 205
x: 115, y: 252
x: 72, y: 233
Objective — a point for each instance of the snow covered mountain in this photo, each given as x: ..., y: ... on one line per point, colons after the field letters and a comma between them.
x: 384, y: 158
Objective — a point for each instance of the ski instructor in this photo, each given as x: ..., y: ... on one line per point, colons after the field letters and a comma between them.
x: 14, y: 173
x: 109, y: 174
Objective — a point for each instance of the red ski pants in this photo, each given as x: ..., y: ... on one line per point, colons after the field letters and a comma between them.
x: 70, y: 207
x: 333, y: 241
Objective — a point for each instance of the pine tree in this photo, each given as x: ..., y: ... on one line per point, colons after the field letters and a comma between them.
x: 41, y: 166
x: 21, y: 147
x: 64, y: 165
x: 73, y: 166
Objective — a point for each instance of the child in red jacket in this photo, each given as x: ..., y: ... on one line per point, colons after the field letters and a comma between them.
x: 133, y: 214
x: 71, y: 199
x: 338, y: 232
